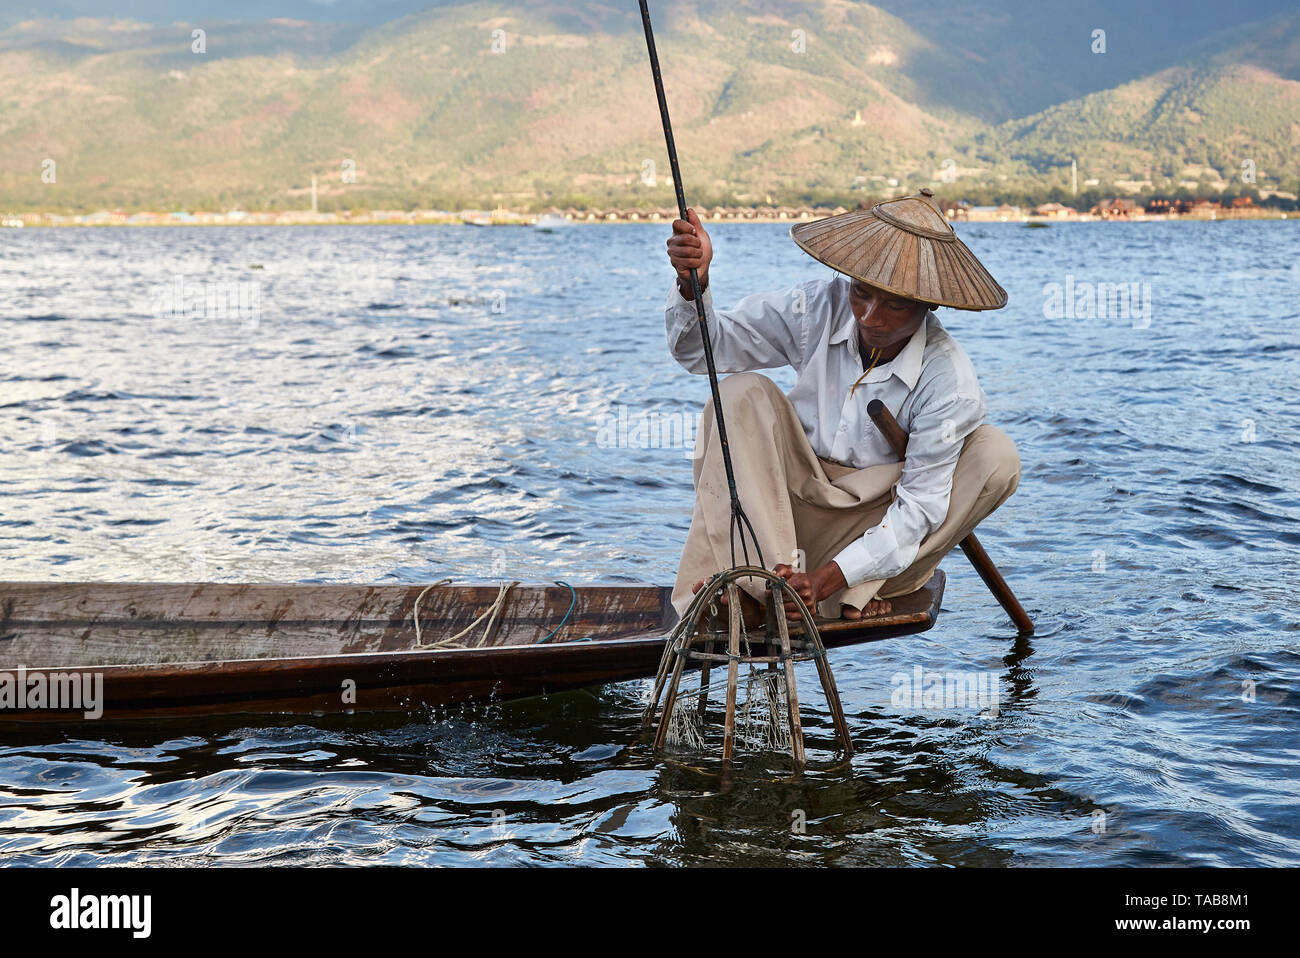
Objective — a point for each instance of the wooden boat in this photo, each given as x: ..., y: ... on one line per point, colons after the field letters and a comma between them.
x: 185, y: 649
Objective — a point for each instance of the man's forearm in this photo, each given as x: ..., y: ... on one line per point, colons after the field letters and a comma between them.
x: 830, y: 579
x: 684, y: 287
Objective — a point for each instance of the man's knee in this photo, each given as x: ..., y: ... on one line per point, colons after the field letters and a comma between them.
x: 994, y: 455
x: 747, y: 384
x: 747, y: 392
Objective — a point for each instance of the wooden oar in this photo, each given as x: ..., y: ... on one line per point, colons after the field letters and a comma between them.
x: 893, y: 432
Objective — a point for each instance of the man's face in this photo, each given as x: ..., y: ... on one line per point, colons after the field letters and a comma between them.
x: 884, y: 319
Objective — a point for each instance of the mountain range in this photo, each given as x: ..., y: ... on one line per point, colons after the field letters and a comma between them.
x: 457, y: 104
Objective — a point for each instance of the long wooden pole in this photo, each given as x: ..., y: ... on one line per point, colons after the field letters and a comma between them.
x: 893, y: 432
x: 739, y: 521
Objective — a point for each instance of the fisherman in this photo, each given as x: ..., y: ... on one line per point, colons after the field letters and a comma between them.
x: 848, y: 525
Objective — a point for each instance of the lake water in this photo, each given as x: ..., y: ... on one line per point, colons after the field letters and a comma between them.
x: 402, y: 404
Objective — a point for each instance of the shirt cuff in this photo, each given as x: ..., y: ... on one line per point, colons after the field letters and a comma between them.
x: 868, y: 556
x: 682, y: 311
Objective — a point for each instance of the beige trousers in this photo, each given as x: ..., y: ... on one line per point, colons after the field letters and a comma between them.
x: 797, y: 501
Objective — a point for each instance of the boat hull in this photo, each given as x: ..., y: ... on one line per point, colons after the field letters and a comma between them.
x: 629, y: 626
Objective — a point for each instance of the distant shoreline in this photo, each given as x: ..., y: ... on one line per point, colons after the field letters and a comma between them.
x: 30, y: 221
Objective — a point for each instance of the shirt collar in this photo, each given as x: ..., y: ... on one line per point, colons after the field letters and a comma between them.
x: 906, y: 365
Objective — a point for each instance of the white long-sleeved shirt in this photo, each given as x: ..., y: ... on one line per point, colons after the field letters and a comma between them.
x: 930, y: 387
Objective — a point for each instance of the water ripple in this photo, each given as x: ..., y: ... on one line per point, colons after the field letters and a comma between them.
x: 420, y: 402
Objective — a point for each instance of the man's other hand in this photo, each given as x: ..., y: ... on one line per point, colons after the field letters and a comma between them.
x: 812, y: 587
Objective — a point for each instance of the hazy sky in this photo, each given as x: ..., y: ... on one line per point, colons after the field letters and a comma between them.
x: 167, y: 11
x: 1171, y: 12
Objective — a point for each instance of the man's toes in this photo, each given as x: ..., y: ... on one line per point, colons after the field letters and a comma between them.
x: 850, y: 613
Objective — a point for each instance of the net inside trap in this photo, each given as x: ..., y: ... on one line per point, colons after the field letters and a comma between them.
x: 762, y: 713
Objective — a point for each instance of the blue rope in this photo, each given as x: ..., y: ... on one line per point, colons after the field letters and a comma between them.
x: 573, y: 601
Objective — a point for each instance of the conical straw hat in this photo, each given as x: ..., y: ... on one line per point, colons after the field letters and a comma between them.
x: 905, y: 246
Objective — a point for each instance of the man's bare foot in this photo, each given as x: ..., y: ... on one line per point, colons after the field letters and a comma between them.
x: 874, y: 607
x: 752, y: 612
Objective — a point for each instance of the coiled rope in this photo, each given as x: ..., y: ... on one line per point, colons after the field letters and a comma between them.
x: 455, y: 640
x: 490, y: 613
